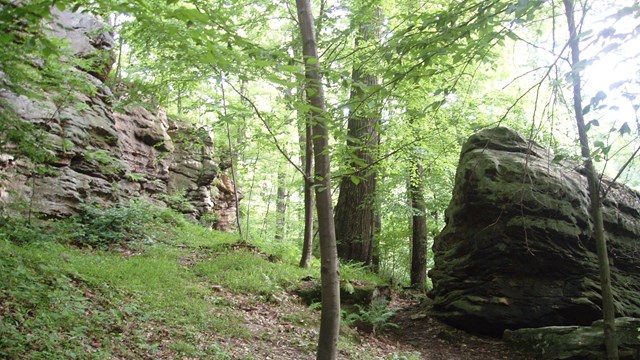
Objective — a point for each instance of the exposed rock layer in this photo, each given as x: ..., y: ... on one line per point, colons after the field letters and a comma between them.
x: 575, y: 342
x: 517, y: 249
x: 104, y: 156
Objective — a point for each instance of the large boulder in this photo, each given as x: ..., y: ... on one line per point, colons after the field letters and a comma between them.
x: 100, y: 155
x: 517, y: 249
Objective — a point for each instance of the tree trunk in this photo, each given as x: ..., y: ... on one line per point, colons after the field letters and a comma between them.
x: 265, y: 221
x: 305, y: 137
x: 281, y: 205
x: 307, y: 245
x: 608, y: 307
x: 329, y: 273
x: 355, y: 212
x: 233, y: 159
x: 375, y: 257
x: 419, y: 226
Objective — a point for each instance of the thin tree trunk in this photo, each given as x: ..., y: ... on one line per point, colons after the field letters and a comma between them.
x: 307, y: 245
x: 265, y: 221
x: 117, y: 73
x: 608, y: 306
x: 355, y: 212
x: 419, y: 226
x: 233, y: 161
x: 281, y: 205
x: 375, y: 257
x: 329, y: 273
x: 305, y: 136
x: 248, y: 201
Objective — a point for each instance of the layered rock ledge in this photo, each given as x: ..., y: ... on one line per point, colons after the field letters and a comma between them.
x: 103, y: 156
x: 517, y: 251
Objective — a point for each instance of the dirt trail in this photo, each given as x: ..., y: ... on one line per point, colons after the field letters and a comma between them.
x: 438, y: 341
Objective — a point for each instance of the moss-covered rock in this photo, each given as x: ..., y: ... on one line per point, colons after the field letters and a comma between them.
x: 351, y: 294
x: 517, y: 250
x: 575, y: 342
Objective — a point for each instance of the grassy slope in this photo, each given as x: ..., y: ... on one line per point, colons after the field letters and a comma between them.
x: 185, y: 294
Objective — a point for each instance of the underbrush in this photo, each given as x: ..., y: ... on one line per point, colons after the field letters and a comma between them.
x: 108, y: 283
x: 135, y: 281
x: 135, y: 222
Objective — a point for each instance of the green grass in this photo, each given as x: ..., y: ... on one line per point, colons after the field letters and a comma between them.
x: 247, y: 272
x: 197, y: 237
x: 58, y: 300
x: 45, y: 310
x: 148, y: 287
x: 51, y: 289
x: 359, y: 273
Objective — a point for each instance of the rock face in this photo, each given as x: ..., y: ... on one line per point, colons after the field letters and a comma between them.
x: 104, y: 156
x: 517, y: 250
x: 575, y: 342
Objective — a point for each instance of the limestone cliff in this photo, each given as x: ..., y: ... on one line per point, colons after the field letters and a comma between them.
x: 517, y: 250
x: 105, y: 156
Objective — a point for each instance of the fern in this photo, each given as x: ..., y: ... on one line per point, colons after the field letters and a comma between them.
x: 376, y: 315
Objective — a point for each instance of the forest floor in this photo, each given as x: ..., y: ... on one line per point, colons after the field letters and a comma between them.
x: 194, y: 294
x: 415, y: 335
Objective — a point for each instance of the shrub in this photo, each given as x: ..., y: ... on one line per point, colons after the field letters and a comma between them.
x: 136, y: 221
x: 22, y: 231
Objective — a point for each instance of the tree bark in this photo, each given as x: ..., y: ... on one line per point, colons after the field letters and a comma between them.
x: 355, y: 212
x: 419, y: 227
x: 608, y: 306
x: 329, y: 273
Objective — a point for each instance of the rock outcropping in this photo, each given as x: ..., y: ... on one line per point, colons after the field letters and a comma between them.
x: 517, y: 249
x: 575, y: 342
x: 103, y: 156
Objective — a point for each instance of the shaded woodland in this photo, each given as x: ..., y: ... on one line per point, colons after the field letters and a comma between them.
x: 326, y: 140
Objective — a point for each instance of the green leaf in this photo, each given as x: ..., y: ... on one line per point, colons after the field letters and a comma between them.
x: 190, y: 15
x: 558, y: 158
x: 624, y: 12
x: 355, y: 180
x: 617, y: 84
x: 263, y: 63
x: 597, y: 99
x: 280, y: 81
x: 348, y: 287
x: 625, y: 129
x: 579, y: 66
x: 585, y: 34
x: 511, y: 35
x: 608, y: 32
x: 290, y: 68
